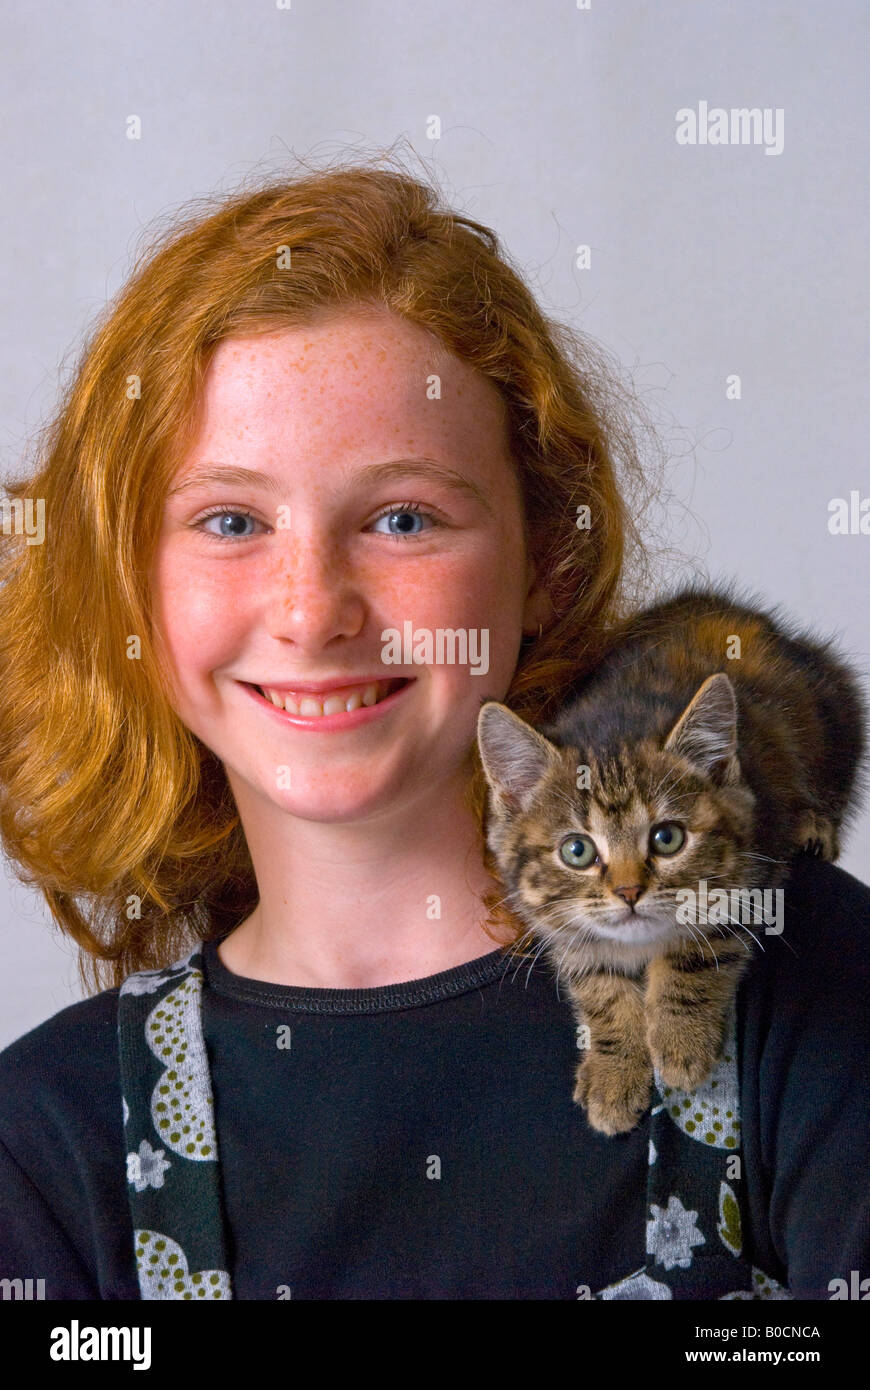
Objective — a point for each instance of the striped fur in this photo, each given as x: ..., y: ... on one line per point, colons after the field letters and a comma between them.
x: 751, y: 748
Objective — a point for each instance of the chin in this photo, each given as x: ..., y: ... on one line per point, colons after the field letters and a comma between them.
x: 324, y: 804
x: 644, y: 932
x: 633, y: 930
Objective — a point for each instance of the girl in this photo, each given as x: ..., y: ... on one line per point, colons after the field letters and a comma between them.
x: 313, y: 496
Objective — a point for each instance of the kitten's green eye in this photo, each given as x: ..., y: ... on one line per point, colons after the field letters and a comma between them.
x: 667, y: 838
x: 578, y: 852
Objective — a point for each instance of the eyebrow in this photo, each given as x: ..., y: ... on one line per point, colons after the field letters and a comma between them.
x: 391, y: 471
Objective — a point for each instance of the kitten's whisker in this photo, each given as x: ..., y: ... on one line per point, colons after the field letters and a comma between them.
x: 518, y: 942
x: 728, y: 931
x: 769, y: 858
x: 533, y: 942
x: 561, y: 963
x: 695, y: 936
x: 521, y: 957
x: 572, y: 942
x: 560, y: 914
x: 743, y: 927
x: 705, y: 937
x: 501, y: 902
x: 515, y: 953
x: 669, y: 785
x: 542, y: 947
x: 562, y: 797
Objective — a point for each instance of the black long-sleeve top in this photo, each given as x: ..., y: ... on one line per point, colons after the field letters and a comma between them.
x: 328, y: 1154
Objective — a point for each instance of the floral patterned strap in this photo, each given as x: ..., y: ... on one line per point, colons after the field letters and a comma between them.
x: 173, y: 1177
x: 695, y: 1204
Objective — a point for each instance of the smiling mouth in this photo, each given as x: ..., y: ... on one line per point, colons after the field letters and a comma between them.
x: 352, y: 697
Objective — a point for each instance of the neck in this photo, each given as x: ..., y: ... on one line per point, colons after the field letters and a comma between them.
x: 356, y: 905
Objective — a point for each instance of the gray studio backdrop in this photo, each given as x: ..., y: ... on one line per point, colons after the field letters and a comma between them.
x: 709, y: 257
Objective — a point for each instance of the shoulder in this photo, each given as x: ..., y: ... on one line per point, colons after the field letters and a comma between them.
x: 69, y: 1060
x: 805, y: 1087
x: 819, y: 887
x: 803, y: 1002
x: 62, y: 1170
x: 825, y: 929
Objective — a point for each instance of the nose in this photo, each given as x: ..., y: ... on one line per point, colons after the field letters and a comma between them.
x: 629, y: 894
x: 309, y: 596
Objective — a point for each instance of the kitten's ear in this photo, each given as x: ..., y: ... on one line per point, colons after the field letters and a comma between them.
x: 514, y: 755
x: 706, y: 732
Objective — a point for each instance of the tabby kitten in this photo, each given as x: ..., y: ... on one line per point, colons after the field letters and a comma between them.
x: 711, y: 743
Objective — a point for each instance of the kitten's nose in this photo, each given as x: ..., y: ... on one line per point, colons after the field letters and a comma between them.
x: 630, y: 894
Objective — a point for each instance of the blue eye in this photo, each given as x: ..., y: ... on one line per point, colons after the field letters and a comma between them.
x: 404, y: 509
x: 229, y: 512
x: 667, y: 837
x: 578, y: 852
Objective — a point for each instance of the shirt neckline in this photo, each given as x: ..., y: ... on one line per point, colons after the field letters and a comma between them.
x: 407, y: 994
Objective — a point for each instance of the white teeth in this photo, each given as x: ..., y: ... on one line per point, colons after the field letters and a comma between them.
x: 334, y: 704
x: 315, y: 706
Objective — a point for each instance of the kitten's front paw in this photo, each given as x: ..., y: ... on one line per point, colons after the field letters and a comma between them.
x: 683, y: 1075
x: 613, y: 1092
x: 682, y: 1060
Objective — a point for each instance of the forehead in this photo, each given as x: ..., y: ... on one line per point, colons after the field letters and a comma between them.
x: 350, y: 379
x: 637, y: 783
x: 620, y: 812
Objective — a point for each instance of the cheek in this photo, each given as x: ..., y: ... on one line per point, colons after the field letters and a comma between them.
x: 198, y: 615
x: 460, y: 591
x: 473, y: 600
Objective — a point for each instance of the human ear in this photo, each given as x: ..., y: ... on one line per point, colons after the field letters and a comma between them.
x: 538, y: 610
